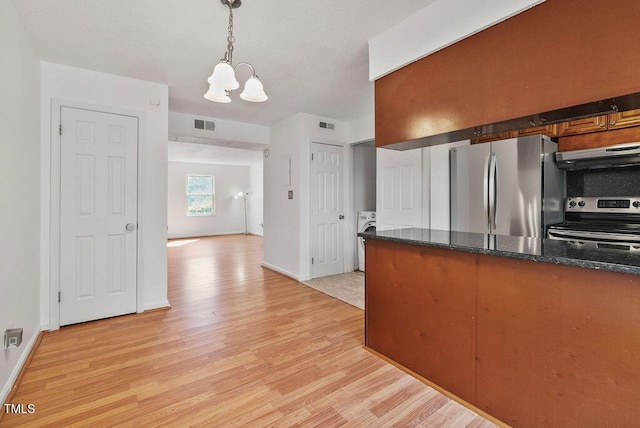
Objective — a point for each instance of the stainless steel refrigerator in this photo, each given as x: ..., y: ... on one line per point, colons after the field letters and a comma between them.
x: 507, y: 187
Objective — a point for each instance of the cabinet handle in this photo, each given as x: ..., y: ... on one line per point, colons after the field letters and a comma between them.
x: 612, y: 123
x: 601, y: 124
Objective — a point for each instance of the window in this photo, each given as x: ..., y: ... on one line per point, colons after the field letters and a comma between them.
x: 200, y: 195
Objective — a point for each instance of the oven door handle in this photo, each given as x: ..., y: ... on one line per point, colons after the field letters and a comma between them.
x: 593, y: 236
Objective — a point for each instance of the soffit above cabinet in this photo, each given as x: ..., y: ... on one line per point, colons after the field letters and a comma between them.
x: 557, y: 60
x: 440, y: 24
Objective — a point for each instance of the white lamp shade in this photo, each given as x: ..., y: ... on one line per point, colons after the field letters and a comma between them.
x: 253, y: 91
x: 217, y: 94
x: 224, y: 77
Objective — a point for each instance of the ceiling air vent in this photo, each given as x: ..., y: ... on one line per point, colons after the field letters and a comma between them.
x: 204, y: 125
x: 327, y: 125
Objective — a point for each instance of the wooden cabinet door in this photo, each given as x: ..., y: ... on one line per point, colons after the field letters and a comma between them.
x: 548, y: 130
x: 599, y: 139
x: 582, y: 126
x: 624, y: 119
x: 493, y: 137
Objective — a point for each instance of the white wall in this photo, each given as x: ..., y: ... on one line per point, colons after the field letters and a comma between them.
x: 282, y: 215
x: 363, y: 189
x: 440, y: 24
x: 229, y: 212
x: 362, y: 129
x: 20, y: 192
x: 255, y: 200
x: 118, y: 94
x: 364, y: 177
x: 287, y: 239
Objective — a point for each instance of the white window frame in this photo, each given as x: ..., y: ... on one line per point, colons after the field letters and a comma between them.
x: 188, y: 213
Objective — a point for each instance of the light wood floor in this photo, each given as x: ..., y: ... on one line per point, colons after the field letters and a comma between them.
x: 241, y: 346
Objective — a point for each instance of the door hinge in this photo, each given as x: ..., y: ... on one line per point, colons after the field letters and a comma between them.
x: 59, y: 296
x: 312, y: 156
x: 60, y: 129
x: 311, y: 260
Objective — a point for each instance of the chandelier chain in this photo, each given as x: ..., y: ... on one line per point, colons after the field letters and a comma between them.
x: 230, y: 39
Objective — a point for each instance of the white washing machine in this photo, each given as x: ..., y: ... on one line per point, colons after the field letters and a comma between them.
x: 366, y: 223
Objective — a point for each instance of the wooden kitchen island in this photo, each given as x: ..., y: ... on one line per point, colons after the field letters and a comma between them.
x: 532, y: 331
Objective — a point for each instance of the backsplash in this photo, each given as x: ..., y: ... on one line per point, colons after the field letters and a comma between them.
x: 604, y: 182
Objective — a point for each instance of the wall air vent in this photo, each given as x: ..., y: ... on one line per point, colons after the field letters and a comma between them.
x: 327, y: 125
x: 204, y: 125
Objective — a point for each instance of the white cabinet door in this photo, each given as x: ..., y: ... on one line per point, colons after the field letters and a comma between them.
x: 399, y: 194
x: 413, y: 187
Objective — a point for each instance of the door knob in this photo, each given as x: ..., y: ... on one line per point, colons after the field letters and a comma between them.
x: 130, y: 227
x: 341, y: 217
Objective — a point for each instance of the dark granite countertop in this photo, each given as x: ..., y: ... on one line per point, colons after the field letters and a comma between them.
x: 519, y: 247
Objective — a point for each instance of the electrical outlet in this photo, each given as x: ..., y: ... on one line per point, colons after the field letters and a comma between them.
x: 12, y: 338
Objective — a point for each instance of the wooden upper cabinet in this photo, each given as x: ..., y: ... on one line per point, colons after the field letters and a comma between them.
x: 624, y: 119
x: 610, y: 122
x: 548, y: 130
x: 599, y: 139
x: 583, y: 126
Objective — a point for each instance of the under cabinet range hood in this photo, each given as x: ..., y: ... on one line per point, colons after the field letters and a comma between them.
x: 603, y: 157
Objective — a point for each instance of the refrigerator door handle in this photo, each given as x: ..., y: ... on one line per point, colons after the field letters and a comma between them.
x: 486, y: 196
x: 494, y: 174
x: 493, y: 200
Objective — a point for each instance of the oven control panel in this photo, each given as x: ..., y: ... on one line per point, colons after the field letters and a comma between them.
x: 619, y: 204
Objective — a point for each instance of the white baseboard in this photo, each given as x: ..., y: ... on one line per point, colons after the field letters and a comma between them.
x: 6, y: 389
x: 281, y: 271
x: 159, y: 304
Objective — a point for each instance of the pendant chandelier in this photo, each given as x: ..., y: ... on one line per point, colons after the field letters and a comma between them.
x: 223, y: 80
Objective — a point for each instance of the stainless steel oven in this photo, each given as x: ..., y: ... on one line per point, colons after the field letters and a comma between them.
x: 602, y: 222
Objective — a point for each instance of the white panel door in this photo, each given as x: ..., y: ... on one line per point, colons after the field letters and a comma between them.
x: 327, y: 212
x: 399, y: 189
x: 98, y: 215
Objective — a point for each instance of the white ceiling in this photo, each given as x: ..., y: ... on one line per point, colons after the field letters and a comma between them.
x: 312, y: 56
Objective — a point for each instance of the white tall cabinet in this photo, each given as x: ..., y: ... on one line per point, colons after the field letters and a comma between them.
x: 413, y: 187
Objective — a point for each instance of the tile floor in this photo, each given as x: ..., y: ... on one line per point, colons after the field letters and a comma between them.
x: 348, y: 287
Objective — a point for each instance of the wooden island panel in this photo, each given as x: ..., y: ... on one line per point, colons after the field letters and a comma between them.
x: 420, y: 312
x: 557, y: 345
x: 531, y: 343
